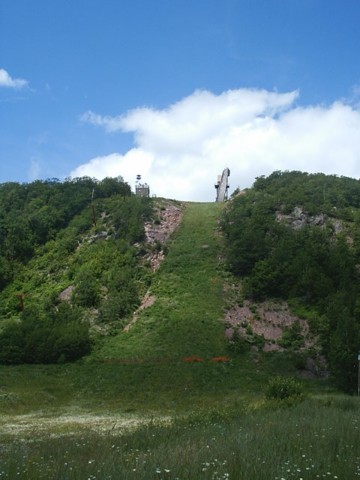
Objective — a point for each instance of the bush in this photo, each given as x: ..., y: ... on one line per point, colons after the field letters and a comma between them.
x: 282, y: 388
x: 58, y: 336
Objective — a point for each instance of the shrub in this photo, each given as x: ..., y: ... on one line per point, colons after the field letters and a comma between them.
x: 57, y: 336
x: 238, y: 343
x: 282, y: 388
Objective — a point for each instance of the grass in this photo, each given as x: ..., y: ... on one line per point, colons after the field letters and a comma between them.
x: 313, y: 439
x: 185, y: 319
x: 163, y: 387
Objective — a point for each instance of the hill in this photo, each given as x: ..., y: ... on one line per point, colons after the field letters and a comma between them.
x: 101, y: 274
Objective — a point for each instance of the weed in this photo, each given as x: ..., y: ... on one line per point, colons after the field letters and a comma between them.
x: 281, y: 388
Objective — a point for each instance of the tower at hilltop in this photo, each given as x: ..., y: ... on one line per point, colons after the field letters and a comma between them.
x: 222, y: 186
x: 141, y: 189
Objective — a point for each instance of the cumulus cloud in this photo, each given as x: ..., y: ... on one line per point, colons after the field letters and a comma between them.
x: 7, y: 81
x: 180, y: 150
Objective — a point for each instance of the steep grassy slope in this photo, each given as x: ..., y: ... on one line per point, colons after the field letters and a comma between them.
x: 185, y: 318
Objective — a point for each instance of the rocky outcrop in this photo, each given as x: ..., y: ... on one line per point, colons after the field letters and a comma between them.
x: 66, y: 294
x: 268, y: 319
x: 158, y: 232
x: 267, y: 325
x: 298, y: 219
x: 169, y: 218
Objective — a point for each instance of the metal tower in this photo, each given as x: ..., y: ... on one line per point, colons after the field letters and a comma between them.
x: 141, y: 189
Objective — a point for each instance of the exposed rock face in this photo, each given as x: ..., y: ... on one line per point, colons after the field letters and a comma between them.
x: 268, y: 319
x: 299, y: 219
x: 66, y: 294
x: 169, y: 219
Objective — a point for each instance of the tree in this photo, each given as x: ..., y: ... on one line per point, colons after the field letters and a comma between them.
x: 343, y: 352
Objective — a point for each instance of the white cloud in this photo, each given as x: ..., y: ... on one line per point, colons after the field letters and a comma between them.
x: 7, y: 81
x: 111, y: 124
x: 180, y: 150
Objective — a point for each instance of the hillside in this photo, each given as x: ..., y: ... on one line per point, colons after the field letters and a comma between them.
x: 272, y: 274
x: 294, y: 238
x: 185, y: 311
x: 67, y: 250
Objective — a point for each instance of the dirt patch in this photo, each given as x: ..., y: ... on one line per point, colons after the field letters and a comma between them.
x: 147, y: 301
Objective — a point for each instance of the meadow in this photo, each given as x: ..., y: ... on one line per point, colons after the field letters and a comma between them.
x: 168, y: 400
x: 317, y: 438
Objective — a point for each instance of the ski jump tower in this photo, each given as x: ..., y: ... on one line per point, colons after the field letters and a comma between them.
x: 222, y: 186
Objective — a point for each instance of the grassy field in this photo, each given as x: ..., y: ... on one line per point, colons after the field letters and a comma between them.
x: 317, y: 438
x: 138, y: 409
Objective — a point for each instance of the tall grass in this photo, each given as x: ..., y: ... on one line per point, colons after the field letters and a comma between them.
x: 314, y: 439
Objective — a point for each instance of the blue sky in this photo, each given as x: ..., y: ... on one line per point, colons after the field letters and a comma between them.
x: 178, y: 90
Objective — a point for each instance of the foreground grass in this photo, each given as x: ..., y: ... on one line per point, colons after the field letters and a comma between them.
x: 318, y: 438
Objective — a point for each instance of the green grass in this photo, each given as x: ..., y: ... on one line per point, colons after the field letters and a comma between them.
x: 313, y: 439
x: 186, y: 317
x: 164, y: 387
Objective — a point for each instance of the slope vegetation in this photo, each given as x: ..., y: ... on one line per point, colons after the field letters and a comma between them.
x: 294, y: 237
x: 184, y: 318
